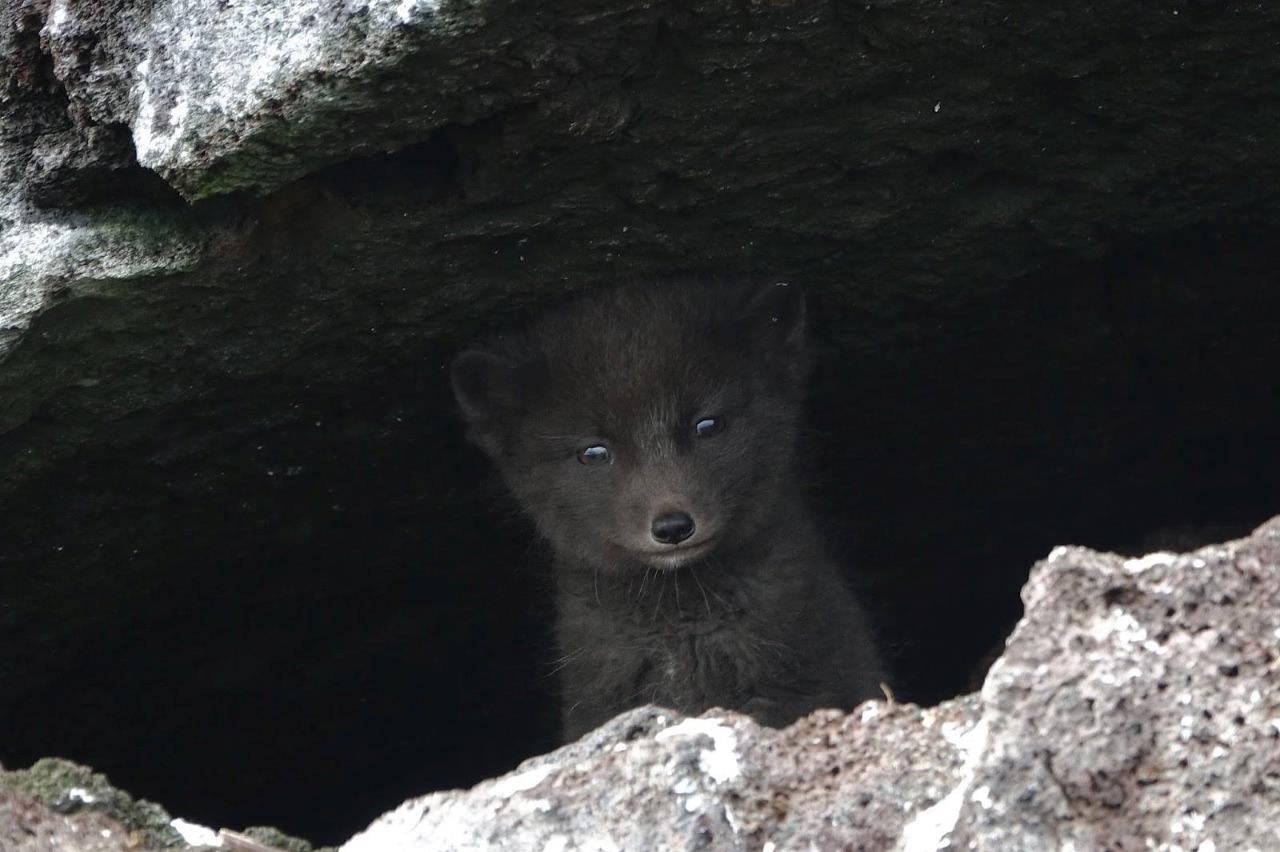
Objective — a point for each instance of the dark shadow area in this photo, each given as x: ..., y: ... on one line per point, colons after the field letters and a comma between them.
x: 1126, y: 405
x: 319, y: 620
x: 306, y: 600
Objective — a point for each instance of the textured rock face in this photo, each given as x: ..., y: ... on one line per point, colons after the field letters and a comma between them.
x: 245, y: 96
x: 56, y: 804
x: 1136, y: 701
x: 996, y: 141
x: 28, y: 826
x: 59, y: 805
x: 1135, y: 707
x: 216, y: 98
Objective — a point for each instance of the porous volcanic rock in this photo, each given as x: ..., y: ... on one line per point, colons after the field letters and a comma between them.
x: 1135, y: 707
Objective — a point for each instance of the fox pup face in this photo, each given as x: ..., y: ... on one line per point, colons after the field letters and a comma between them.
x: 644, y: 427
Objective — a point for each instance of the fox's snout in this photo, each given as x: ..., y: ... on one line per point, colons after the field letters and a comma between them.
x: 672, y: 527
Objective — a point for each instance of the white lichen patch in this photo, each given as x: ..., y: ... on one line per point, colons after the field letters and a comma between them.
x: 1146, y: 563
x: 57, y: 18
x: 408, y: 10
x: 928, y: 830
x: 720, y: 762
x: 1118, y: 626
x: 684, y: 787
x: 522, y: 781
x: 392, y: 830
x: 982, y: 797
x: 144, y: 120
x: 80, y: 794
x: 195, y: 834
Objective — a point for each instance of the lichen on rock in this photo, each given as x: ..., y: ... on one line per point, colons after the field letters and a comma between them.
x: 59, y: 805
x: 67, y: 787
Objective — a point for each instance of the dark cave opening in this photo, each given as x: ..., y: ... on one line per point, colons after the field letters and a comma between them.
x: 327, y: 607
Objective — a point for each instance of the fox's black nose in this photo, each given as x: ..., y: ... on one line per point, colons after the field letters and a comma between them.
x: 672, y: 528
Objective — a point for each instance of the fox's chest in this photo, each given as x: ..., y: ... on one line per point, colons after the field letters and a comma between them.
x: 696, y: 669
x: 721, y: 654
x: 676, y: 662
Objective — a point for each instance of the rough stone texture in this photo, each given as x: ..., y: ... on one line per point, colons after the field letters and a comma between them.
x: 28, y: 826
x: 68, y: 788
x: 1136, y: 702
x: 651, y: 780
x: 952, y: 147
x: 1135, y: 707
x: 44, y: 260
x: 245, y: 96
x: 232, y: 96
x: 59, y: 805
x: 948, y: 142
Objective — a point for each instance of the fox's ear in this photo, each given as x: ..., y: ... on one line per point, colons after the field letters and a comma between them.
x: 486, y: 384
x: 776, y: 313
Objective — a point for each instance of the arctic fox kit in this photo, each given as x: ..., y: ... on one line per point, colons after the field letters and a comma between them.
x: 651, y: 433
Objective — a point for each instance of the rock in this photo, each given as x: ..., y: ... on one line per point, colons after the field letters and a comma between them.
x: 1134, y: 707
x: 45, y: 261
x: 532, y: 158
x: 211, y: 122
x: 60, y: 805
x: 69, y: 788
x: 229, y: 97
x: 26, y: 825
x: 1041, y: 128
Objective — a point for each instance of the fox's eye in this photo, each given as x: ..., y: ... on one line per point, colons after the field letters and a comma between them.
x: 595, y: 454
x: 708, y: 426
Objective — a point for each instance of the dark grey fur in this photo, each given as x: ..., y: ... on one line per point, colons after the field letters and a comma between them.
x: 748, y: 613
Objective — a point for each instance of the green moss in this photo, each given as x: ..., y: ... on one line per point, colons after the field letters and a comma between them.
x: 145, y: 242
x: 314, y: 133
x: 279, y: 151
x: 52, y: 780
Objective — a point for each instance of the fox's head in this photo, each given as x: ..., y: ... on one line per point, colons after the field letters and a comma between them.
x: 644, y: 426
